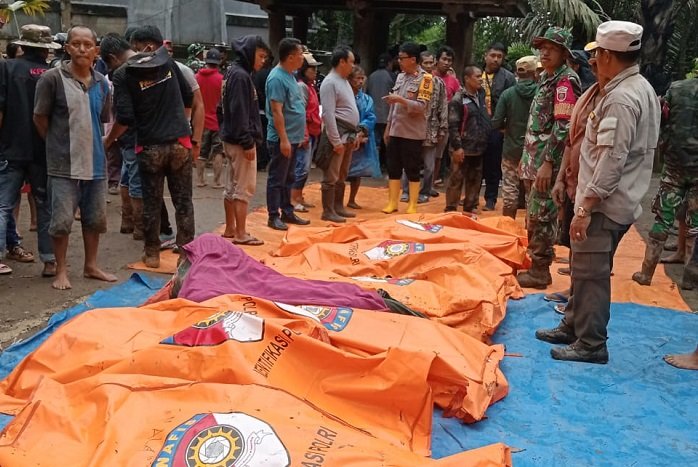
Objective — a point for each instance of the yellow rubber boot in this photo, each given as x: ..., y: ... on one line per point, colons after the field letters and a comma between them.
x: 414, y: 197
x: 393, y: 195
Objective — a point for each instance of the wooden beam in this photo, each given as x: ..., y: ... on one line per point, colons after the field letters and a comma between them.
x: 277, y: 29
x: 460, y: 29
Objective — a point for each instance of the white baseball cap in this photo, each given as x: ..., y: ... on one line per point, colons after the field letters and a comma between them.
x: 619, y: 36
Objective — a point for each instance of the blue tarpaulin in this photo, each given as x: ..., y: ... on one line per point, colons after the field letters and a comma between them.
x: 133, y: 292
x: 635, y: 411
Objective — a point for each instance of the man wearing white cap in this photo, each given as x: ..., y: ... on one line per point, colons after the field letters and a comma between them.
x: 614, y: 175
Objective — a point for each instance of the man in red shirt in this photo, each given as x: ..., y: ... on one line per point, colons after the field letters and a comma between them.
x: 210, y: 80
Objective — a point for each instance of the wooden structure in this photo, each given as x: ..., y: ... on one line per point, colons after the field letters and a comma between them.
x: 372, y: 17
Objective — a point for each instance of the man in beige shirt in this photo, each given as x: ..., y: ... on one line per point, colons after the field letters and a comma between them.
x: 615, y: 168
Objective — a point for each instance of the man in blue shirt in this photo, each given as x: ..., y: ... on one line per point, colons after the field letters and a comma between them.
x: 285, y: 132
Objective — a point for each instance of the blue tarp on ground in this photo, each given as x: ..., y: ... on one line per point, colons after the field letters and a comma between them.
x: 637, y: 410
x: 133, y: 292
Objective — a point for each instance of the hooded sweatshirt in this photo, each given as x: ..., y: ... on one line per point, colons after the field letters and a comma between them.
x: 240, y: 122
x: 511, y: 114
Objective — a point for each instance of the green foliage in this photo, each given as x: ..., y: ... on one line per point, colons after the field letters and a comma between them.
x: 30, y: 8
x: 409, y: 27
x: 434, y: 36
x: 581, y: 16
x: 332, y: 28
x: 516, y: 51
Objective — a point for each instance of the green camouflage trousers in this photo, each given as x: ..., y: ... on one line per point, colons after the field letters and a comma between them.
x: 511, y: 183
x: 542, y: 227
x: 676, y: 187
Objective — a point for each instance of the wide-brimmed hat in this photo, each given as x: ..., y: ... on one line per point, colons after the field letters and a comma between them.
x: 34, y: 35
x: 149, y: 59
x: 556, y: 35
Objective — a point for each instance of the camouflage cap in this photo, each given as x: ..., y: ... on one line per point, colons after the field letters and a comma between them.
x: 195, y: 49
x: 556, y: 35
x: 34, y: 35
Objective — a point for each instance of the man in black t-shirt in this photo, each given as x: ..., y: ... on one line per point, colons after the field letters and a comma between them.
x: 151, y: 95
x: 22, y: 151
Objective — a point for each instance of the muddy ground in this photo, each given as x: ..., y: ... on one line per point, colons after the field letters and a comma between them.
x: 27, y: 300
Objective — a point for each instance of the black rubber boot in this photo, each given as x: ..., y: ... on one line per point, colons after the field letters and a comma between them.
x: 339, y: 201
x: 328, y: 213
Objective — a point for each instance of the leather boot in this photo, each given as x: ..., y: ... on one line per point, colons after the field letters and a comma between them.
x: 137, y: 204
x: 538, y: 277
x: 393, y: 195
x: 126, y: 211
x: 328, y: 213
x: 339, y: 201
x: 653, y: 252
x: 509, y: 212
x: 413, y: 197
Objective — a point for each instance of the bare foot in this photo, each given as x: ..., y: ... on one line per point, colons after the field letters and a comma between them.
x: 227, y: 234
x: 98, y: 274
x: 675, y: 258
x: 686, y: 361
x: 61, y: 282
x: 49, y: 269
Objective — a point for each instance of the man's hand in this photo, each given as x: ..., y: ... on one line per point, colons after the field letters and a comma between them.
x: 458, y: 156
x: 339, y: 149
x: 578, y: 228
x: 195, y: 152
x: 544, y: 177
x: 106, y: 142
x: 305, y: 144
x: 558, y: 192
x: 357, y: 143
x: 386, y: 137
x: 394, y: 99
x: 250, y: 153
x: 285, y: 147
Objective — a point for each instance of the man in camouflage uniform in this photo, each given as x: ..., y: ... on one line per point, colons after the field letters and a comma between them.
x: 679, y: 181
x: 544, y: 144
x: 195, y: 60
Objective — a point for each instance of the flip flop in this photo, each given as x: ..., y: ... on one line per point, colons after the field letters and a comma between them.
x: 564, y: 271
x: 5, y: 269
x: 558, y: 297
x: 252, y: 241
x: 560, y: 308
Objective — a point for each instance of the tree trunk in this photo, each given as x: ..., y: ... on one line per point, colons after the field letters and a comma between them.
x: 658, y: 17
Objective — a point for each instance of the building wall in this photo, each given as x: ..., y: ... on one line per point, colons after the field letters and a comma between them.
x: 183, y: 21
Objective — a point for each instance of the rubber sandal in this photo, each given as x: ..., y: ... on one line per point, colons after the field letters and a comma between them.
x: 557, y: 297
x: 564, y: 271
x: 18, y: 253
x: 5, y: 269
x: 300, y: 207
x: 252, y: 241
x: 560, y: 308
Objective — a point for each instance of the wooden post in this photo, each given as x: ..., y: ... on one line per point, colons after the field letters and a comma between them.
x: 66, y: 15
x: 300, y: 28
x: 277, y: 30
x: 460, y: 35
x: 370, y: 37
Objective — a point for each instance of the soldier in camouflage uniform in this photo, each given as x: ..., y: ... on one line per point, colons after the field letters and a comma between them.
x: 195, y: 60
x: 544, y: 144
x: 679, y: 181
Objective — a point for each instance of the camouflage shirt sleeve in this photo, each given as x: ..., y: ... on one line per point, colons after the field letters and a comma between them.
x: 567, y: 91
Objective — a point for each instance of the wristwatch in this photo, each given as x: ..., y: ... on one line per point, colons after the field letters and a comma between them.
x: 581, y: 212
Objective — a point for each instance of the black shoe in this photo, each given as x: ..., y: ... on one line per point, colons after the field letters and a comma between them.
x: 276, y: 224
x: 577, y: 353
x: 558, y: 335
x: 434, y: 194
x: 293, y: 219
x: 489, y: 206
